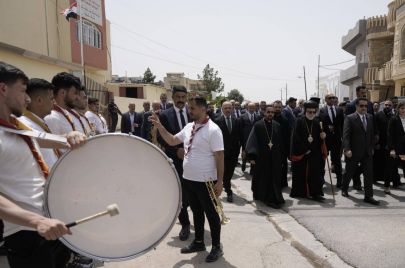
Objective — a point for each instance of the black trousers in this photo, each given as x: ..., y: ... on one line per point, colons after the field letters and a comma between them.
x: 367, y: 168
x: 201, y: 203
x: 183, y: 215
x: 29, y: 249
x: 391, y: 171
x: 229, y: 169
x: 114, y: 121
x: 284, y: 171
x: 335, y: 153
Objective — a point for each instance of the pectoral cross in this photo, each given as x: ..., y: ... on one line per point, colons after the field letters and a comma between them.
x: 270, y: 145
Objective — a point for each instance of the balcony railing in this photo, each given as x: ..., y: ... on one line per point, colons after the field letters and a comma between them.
x: 392, y: 14
x: 381, y: 74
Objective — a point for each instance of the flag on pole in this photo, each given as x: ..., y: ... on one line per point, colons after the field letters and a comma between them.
x: 70, y: 12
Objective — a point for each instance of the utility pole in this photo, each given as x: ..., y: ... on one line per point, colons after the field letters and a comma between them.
x: 305, y: 84
x: 319, y: 62
x: 281, y: 94
x: 286, y: 92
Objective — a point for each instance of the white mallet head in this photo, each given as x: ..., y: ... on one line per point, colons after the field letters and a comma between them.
x: 113, y: 210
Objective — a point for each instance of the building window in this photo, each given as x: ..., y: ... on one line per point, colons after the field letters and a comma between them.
x: 91, y: 35
x: 131, y: 92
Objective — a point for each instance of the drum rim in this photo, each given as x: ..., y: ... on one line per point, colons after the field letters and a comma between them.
x: 124, y: 258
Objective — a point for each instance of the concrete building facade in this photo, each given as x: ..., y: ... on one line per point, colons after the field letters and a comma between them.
x: 36, y: 38
x: 179, y: 79
x: 331, y: 84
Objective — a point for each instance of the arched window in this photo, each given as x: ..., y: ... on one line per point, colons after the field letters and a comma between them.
x: 91, y: 35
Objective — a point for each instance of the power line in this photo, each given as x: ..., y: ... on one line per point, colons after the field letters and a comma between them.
x: 334, y: 64
x: 195, y: 58
x: 331, y: 69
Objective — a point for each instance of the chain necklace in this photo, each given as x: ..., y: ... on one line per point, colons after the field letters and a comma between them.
x: 270, y: 144
x: 310, y: 139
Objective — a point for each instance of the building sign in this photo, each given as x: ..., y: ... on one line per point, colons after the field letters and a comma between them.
x: 92, y: 11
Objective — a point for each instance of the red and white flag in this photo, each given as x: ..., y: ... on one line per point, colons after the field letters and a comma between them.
x: 70, y: 12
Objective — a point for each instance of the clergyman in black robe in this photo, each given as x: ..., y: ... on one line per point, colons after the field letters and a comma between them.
x: 264, y: 147
x: 306, y: 155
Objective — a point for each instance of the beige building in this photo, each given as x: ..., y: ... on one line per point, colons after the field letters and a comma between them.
x: 36, y: 38
x: 125, y: 93
x: 178, y: 79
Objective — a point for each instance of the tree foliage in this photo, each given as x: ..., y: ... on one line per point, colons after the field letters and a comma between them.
x: 148, y: 77
x: 234, y: 94
x: 211, y: 81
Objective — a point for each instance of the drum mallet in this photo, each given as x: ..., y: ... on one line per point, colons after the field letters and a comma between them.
x: 112, y: 210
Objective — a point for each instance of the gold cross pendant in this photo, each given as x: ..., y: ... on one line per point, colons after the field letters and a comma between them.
x: 270, y: 145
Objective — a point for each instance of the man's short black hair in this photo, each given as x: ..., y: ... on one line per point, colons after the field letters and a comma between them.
x: 37, y: 86
x: 199, y: 101
x: 179, y: 89
x: 9, y: 74
x: 360, y: 99
x: 358, y: 88
x: 64, y: 81
x: 92, y: 100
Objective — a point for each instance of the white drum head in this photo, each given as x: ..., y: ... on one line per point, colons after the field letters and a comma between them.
x: 114, y: 169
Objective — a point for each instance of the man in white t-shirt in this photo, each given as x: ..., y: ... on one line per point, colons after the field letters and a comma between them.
x: 96, y: 120
x: 40, y: 92
x: 203, y: 161
x: 22, y: 179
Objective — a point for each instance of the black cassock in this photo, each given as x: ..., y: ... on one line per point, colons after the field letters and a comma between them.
x: 306, y: 167
x: 266, y: 180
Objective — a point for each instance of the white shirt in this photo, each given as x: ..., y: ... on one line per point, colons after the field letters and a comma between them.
x: 86, y: 124
x: 77, y: 123
x: 132, y: 118
x: 49, y: 155
x: 403, y: 122
x: 199, y: 164
x: 98, y: 121
x: 21, y: 178
x: 178, y: 115
x: 330, y: 112
x: 58, y: 124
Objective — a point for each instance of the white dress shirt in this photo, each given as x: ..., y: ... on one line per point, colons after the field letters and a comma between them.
x: 98, y: 121
x: 178, y: 116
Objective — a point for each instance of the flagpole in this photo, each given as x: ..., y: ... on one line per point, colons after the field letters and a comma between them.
x: 79, y: 2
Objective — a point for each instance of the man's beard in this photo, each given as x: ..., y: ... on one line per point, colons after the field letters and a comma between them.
x: 16, y: 112
x: 310, y: 117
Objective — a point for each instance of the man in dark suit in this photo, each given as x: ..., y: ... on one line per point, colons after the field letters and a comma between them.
x: 332, y: 119
x: 164, y: 105
x: 231, y: 133
x: 358, y: 146
x: 175, y: 119
x: 131, y: 121
x: 381, y: 167
x: 147, y: 124
x: 248, y: 119
x: 288, y: 112
x: 237, y: 110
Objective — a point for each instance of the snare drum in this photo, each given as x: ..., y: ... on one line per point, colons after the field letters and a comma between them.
x: 114, y: 169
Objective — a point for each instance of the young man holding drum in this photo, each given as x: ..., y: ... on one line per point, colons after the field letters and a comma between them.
x: 23, y: 172
x: 203, y: 161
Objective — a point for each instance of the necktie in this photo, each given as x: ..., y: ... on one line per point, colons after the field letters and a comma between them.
x: 364, y: 122
x: 252, y: 118
x: 229, y: 124
x: 333, y: 114
x: 182, y: 119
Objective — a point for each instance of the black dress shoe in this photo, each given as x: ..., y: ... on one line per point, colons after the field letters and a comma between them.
x: 345, y: 193
x: 318, y: 198
x: 371, y: 201
x: 358, y: 188
x: 339, y: 185
x: 193, y: 247
x: 184, y: 232
x: 273, y: 205
x: 243, y: 167
x: 215, y: 254
x: 229, y: 198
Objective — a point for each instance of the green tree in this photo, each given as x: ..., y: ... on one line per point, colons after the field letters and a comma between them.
x: 211, y: 81
x: 148, y: 77
x: 234, y: 94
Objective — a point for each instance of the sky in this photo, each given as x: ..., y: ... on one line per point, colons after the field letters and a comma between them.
x: 257, y: 46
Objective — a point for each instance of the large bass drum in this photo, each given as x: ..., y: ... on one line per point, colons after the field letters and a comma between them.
x: 114, y: 169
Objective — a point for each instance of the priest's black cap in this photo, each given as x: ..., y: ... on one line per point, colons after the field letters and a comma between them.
x: 179, y: 89
x: 311, y: 104
x: 315, y: 99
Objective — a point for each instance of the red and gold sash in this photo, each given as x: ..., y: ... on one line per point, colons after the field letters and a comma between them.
x: 59, y: 109
x: 15, y: 124
x: 77, y: 115
x: 43, y: 125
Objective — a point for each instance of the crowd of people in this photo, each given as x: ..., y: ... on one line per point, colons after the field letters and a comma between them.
x: 205, y: 144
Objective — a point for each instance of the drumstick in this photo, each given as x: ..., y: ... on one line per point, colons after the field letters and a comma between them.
x: 112, y: 210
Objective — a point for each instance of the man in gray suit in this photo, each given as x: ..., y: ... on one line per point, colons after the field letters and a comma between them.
x: 358, y: 144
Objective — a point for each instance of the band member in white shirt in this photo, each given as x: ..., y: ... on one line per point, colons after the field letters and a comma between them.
x: 203, y: 160
x: 96, y: 120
